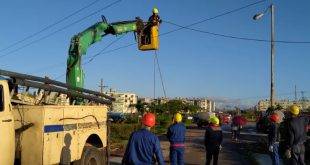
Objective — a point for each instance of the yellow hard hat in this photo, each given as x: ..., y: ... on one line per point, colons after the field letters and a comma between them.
x: 215, y: 120
x: 177, y: 117
x: 294, y: 110
x: 155, y: 11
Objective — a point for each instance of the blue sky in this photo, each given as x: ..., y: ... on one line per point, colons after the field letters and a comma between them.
x: 193, y: 64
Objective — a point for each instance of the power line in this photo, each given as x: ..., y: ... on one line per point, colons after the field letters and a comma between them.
x: 217, y: 16
x: 49, y: 26
x: 161, y: 77
x: 204, y: 20
x: 235, y: 37
x: 61, y: 29
x: 97, y: 54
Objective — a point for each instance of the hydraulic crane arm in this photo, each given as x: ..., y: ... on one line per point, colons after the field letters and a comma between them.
x: 82, y: 41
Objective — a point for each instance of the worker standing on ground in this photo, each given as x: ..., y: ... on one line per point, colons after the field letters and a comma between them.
x: 274, y: 139
x: 297, y: 136
x: 213, y: 141
x: 234, y: 131
x: 176, y: 137
x: 143, y: 146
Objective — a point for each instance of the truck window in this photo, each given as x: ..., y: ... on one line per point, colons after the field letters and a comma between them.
x: 1, y: 98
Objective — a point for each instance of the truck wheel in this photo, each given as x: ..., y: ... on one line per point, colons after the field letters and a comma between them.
x: 92, y: 156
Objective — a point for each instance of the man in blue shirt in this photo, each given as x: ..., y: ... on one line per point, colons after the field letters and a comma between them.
x: 176, y: 136
x: 143, y: 146
x: 274, y: 139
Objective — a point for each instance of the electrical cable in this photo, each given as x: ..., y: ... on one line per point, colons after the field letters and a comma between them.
x: 223, y: 14
x: 214, y: 17
x: 95, y: 55
x: 61, y: 29
x: 49, y: 26
x: 161, y: 77
x: 235, y: 37
x: 154, y: 82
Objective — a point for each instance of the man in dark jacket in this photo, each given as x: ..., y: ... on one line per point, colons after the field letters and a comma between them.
x: 176, y: 137
x: 297, y: 136
x: 213, y: 141
x: 274, y: 139
x: 143, y: 145
x: 154, y: 19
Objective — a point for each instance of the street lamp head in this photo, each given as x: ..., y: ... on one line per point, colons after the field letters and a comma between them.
x: 258, y: 16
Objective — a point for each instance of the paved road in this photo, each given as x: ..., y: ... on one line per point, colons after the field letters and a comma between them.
x: 231, y: 154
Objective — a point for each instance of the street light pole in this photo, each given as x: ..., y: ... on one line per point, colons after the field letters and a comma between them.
x: 272, y: 56
x: 256, y: 17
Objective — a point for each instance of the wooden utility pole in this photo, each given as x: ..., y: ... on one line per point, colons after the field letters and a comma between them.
x: 101, y: 86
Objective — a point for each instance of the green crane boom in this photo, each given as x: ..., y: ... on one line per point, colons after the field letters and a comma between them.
x: 82, y: 41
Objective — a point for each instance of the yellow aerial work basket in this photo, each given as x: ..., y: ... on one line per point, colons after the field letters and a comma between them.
x: 148, y: 38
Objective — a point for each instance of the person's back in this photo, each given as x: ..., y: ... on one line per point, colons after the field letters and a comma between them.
x: 297, y: 136
x: 176, y: 133
x: 213, y: 141
x: 176, y: 137
x: 142, y: 148
x: 143, y: 145
x: 297, y: 129
x: 213, y: 136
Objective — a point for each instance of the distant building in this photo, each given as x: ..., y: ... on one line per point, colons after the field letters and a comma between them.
x: 263, y: 105
x: 206, y: 105
x: 124, y: 102
x: 161, y: 100
x: 145, y: 100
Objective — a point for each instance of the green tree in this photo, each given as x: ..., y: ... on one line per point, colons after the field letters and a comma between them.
x: 141, y: 107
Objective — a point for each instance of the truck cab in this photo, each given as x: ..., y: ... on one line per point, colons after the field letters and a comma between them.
x: 7, y: 134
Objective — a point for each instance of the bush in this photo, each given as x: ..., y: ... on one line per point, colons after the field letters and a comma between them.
x: 187, y: 122
x: 132, y: 120
x: 122, y: 131
x: 163, y: 121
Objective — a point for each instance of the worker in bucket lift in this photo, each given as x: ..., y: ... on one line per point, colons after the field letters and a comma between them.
x: 154, y: 20
x: 274, y: 139
x: 176, y: 137
x: 213, y: 141
x: 296, y: 137
x: 143, y: 146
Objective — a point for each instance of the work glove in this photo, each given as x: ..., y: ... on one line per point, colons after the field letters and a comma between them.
x: 288, y: 154
x: 220, y: 147
x: 270, y: 148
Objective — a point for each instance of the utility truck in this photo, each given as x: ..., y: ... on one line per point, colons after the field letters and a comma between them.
x: 38, y: 129
x: 53, y: 123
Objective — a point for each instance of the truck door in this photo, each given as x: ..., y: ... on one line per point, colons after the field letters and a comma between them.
x: 7, y: 132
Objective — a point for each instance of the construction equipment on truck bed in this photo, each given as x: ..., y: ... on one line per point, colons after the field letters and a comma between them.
x: 41, y: 132
x: 147, y: 40
x: 49, y: 86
